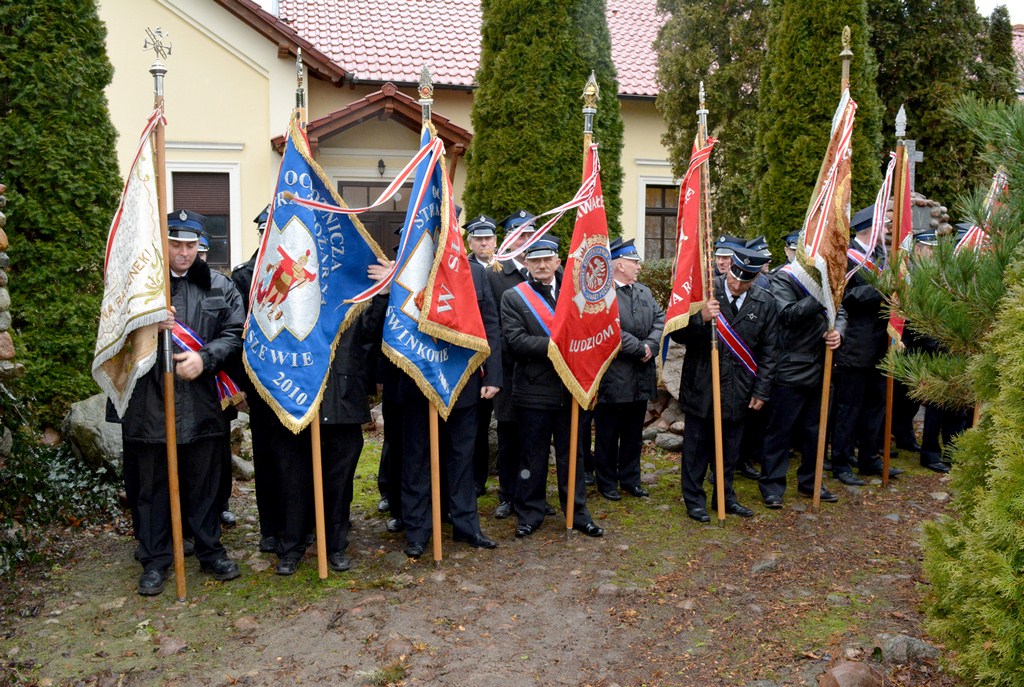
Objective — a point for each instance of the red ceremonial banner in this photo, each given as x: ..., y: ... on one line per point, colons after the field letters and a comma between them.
x: 906, y: 245
x: 585, y: 336
x: 688, y: 276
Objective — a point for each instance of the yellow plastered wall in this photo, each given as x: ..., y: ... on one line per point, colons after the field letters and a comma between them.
x: 228, y: 94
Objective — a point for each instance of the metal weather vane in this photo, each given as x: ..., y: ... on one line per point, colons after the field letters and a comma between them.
x: 155, y: 41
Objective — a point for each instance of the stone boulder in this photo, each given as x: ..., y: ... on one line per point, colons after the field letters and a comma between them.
x: 93, y: 440
x: 672, y: 370
x: 904, y: 649
x: 851, y: 674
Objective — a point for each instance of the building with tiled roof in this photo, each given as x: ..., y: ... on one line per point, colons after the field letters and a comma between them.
x: 231, y: 86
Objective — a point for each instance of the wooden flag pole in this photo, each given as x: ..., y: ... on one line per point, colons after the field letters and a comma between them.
x: 314, y: 426
x: 716, y: 378
x: 435, y: 485
x: 819, y: 464
x: 826, y: 379
x: 426, y: 101
x: 590, y: 95
x: 894, y: 263
x: 158, y: 70
x: 574, y: 437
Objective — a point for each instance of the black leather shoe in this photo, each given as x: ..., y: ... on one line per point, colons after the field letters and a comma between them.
x: 826, y: 495
x: 228, y: 519
x: 612, y: 495
x: 525, y: 530
x: 698, y: 514
x: 268, y: 544
x: 188, y: 547
x: 907, y: 444
x: 415, y: 549
x: 222, y: 569
x: 749, y: 471
x: 383, y: 506
x: 875, y: 469
x: 477, y: 541
x: 737, y: 509
x: 395, y: 525
x: 589, y: 479
x: 503, y: 510
x: 151, y: 582
x: 826, y: 466
x: 638, y: 491
x: 774, y: 502
x: 339, y: 562
x: 590, y: 529
x: 850, y: 479
x: 287, y: 566
x: 937, y: 467
x: 549, y: 509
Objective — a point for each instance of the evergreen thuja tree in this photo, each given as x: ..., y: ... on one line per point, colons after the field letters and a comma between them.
x: 973, y: 304
x: 536, y: 57
x: 800, y: 89
x: 57, y: 157
x: 928, y: 54
x: 721, y: 44
x: 997, y: 70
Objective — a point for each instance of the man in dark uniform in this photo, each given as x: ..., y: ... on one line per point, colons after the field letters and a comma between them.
x: 505, y: 275
x: 796, y: 392
x: 944, y: 423
x: 482, y: 241
x: 206, y: 302
x: 630, y: 381
x: 456, y: 438
x: 543, y: 404
x: 723, y: 252
x: 756, y: 423
x: 750, y: 313
x: 268, y: 434
x: 858, y: 396
x: 343, y: 411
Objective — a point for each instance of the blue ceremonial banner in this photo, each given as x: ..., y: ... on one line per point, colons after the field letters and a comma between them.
x: 427, y: 291
x: 310, y: 262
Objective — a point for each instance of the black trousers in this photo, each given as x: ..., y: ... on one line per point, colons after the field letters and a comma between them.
x: 391, y: 451
x: 538, y: 428
x: 755, y: 427
x: 509, y: 452
x: 340, y: 446
x: 619, y: 437
x: 939, y: 422
x: 795, y: 414
x: 482, y: 446
x: 858, y: 417
x: 904, y: 409
x: 699, y: 453
x: 267, y: 431
x: 456, y: 438
x: 199, y: 472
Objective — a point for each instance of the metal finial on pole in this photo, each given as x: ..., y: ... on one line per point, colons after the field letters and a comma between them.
x: 426, y: 91
x: 846, y: 56
x: 155, y: 41
x: 901, y: 124
x: 591, y: 94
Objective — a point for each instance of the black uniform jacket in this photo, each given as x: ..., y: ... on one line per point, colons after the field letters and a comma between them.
x: 865, y: 340
x: 757, y: 324
x: 628, y: 378
x: 345, y: 396
x: 502, y: 276
x: 802, y: 322
x: 209, y: 304
x: 535, y: 384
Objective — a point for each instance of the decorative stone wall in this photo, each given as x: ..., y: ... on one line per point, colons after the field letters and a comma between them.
x: 8, y: 368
